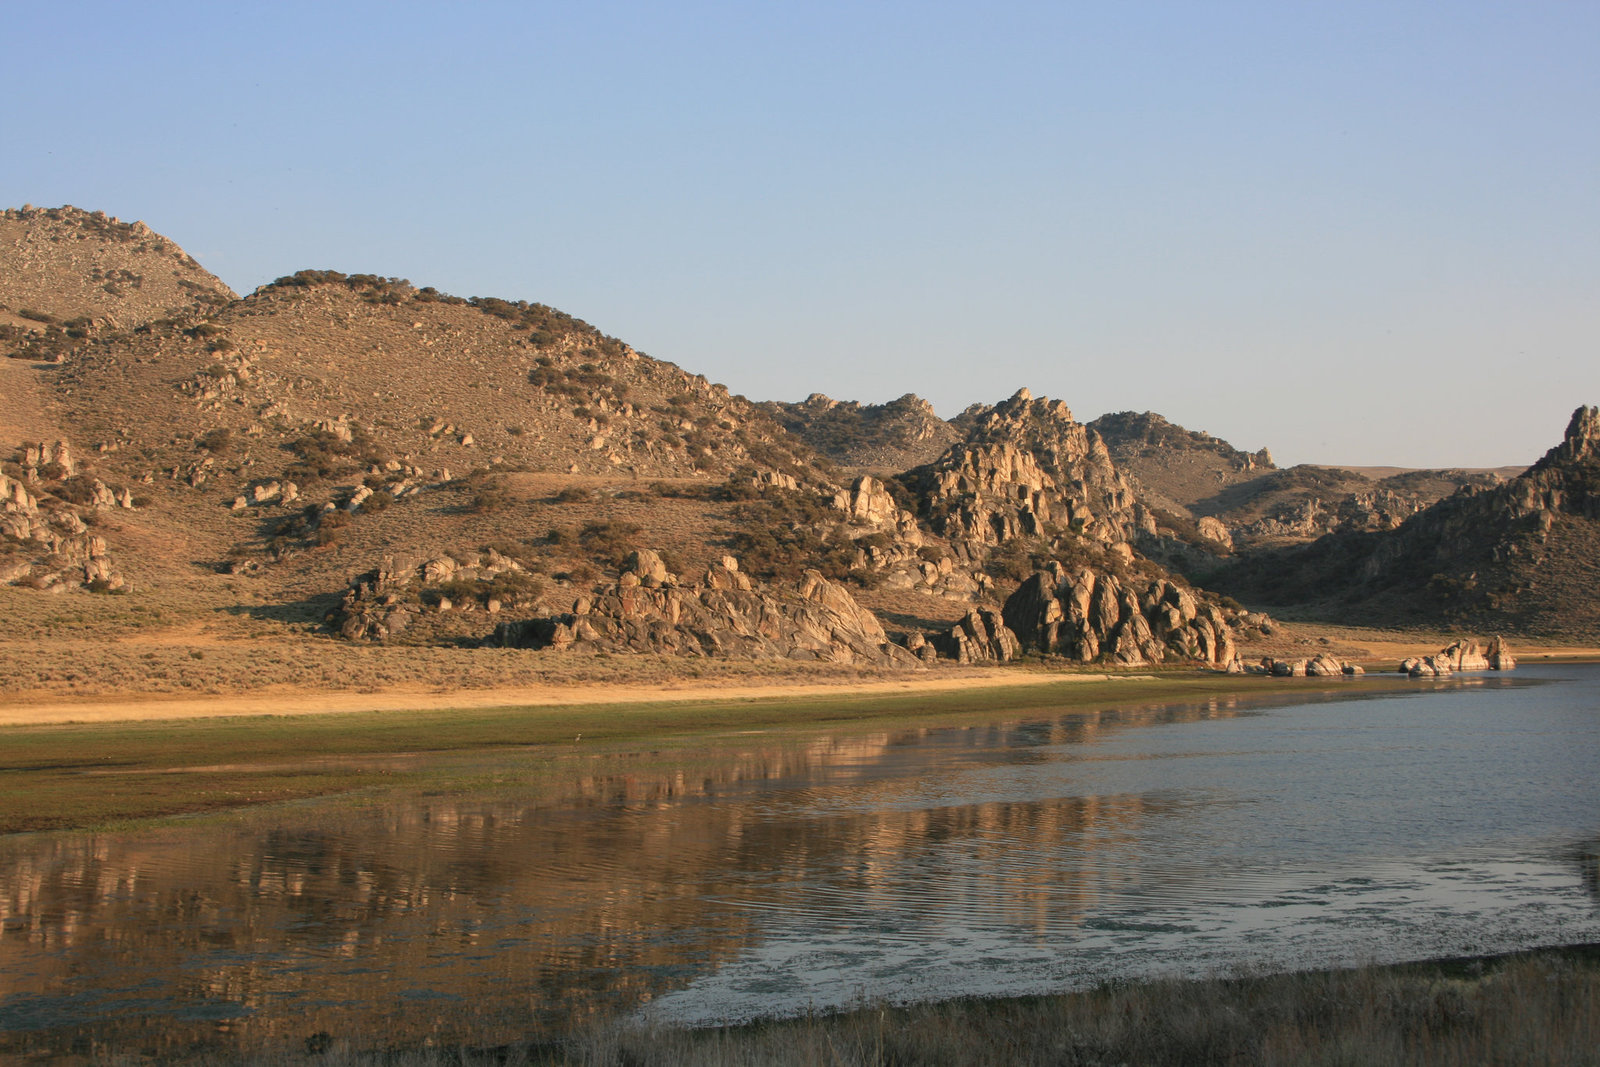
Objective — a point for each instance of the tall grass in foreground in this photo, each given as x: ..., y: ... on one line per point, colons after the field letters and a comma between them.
x: 1534, y: 1008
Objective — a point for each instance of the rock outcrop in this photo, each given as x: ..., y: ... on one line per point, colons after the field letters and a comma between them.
x: 1090, y: 616
x: 1464, y: 655
x: 982, y: 636
x: 1028, y: 468
x: 1461, y: 655
x: 1499, y: 655
x: 869, y: 503
x: 385, y: 601
x: 722, y: 616
x: 46, y: 545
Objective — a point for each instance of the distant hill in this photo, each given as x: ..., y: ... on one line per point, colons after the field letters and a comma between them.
x: 894, y: 436
x: 1186, y: 475
x: 1176, y: 468
x: 1522, y: 555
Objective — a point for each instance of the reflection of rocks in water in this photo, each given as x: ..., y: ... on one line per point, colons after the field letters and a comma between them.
x: 606, y: 892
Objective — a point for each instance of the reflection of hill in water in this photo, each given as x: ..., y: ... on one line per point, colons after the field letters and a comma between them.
x: 488, y: 919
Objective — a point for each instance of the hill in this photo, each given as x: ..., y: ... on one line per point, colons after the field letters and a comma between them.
x: 1176, y: 468
x: 67, y: 274
x: 1523, y: 555
x: 883, y: 437
x: 351, y: 458
x: 1187, y: 476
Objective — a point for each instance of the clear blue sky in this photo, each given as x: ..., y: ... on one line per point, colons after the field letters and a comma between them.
x: 1351, y: 232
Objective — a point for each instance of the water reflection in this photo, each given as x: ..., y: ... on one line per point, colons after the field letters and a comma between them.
x: 998, y: 857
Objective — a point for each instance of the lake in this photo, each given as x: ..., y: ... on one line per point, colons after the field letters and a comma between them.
x: 1013, y: 854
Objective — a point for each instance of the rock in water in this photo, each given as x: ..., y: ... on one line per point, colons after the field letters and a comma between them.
x: 1499, y: 655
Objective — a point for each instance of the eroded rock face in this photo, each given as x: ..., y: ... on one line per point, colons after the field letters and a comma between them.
x: 1091, y: 616
x: 723, y: 616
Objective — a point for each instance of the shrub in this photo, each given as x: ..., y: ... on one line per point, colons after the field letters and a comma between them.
x: 491, y: 494
x: 218, y: 441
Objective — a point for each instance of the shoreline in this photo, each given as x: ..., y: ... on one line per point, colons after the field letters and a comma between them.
x: 78, y: 773
x: 41, y: 707
x: 299, y: 701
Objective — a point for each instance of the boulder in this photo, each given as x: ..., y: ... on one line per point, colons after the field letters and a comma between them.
x: 646, y: 564
x: 1464, y: 655
x: 1324, y: 666
x: 1499, y: 655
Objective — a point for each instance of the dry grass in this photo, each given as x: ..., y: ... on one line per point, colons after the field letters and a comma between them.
x: 1532, y: 1008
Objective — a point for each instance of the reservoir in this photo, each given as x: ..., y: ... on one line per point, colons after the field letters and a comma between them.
x: 758, y: 876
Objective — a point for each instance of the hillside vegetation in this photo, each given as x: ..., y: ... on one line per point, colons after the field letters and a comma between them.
x: 354, y: 458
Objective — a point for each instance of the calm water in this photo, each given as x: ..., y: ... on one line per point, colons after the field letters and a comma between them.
x: 1019, y: 855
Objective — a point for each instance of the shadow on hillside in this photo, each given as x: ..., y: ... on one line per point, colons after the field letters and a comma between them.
x: 894, y: 621
x: 1322, y: 481
x: 313, y: 610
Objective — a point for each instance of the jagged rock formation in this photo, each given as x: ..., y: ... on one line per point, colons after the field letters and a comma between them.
x: 1027, y: 469
x: 1523, y: 555
x: 982, y: 636
x: 723, y: 615
x: 895, y: 436
x: 1088, y: 616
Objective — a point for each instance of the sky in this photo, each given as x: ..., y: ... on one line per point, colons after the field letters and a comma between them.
x: 1359, y: 233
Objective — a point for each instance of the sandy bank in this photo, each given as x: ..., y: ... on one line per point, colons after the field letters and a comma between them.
x: 48, y: 708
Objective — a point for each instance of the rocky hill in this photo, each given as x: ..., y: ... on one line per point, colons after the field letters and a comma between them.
x: 356, y: 458
x: 888, y: 437
x: 67, y: 274
x: 1524, y: 555
x: 1207, y: 495
x: 1175, y: 468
